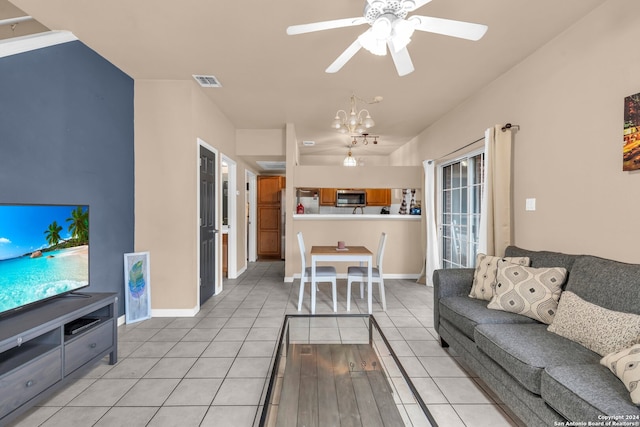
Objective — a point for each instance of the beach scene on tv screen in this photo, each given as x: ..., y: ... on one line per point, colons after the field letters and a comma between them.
x: 44, y: 252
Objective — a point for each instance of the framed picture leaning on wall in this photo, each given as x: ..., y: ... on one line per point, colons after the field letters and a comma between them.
x: 137, y: 293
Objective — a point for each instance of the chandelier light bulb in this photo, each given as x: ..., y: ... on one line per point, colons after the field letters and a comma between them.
x: 353, y: 119
x: 368, y: 122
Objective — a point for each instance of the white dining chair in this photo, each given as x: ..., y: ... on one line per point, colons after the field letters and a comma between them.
x: 323, y: 274
x: 356, y: 273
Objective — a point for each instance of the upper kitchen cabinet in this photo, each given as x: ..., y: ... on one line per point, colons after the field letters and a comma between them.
x: 327, y: 197
x: 269, y: 189
x: 378, y: 196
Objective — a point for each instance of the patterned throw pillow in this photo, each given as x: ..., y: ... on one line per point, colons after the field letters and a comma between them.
x: 484, y: 278
x: 532, y: 292
x: 625, y: 364
x: 599, y: 329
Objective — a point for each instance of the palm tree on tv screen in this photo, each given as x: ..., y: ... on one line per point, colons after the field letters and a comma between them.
x: 79, y: 225
x: 52, y: 234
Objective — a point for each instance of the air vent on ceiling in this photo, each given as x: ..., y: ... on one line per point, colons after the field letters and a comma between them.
x: 308, y: 143
x: 272, y: 166
x: 207, y: 81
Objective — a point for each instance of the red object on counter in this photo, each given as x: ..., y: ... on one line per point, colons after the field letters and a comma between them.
x: 300, y: 209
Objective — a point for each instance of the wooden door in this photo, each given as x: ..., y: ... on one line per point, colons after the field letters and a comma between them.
x: 269, y: 219
x: 208, y: 229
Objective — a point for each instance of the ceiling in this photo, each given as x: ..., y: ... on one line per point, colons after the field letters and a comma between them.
x: 269, y: 78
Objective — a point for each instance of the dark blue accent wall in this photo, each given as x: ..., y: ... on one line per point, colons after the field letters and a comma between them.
x: 67, y: 137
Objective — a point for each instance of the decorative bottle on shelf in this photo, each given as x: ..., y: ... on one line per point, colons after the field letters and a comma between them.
x: 300, y: 209
x: 403, y: 205
x: 412, y: 205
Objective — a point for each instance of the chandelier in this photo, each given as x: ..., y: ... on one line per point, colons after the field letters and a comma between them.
x: 355, y: 122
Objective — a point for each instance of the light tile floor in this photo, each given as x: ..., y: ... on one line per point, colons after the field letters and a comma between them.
x: 212, y: 369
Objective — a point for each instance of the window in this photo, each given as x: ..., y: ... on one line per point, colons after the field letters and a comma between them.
x: 461, y: 191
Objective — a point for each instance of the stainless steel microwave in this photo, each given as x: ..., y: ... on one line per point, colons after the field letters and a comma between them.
x: 351, y: 198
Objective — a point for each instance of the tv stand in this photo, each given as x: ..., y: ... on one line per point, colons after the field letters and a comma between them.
x: 37, y: 356
x: 77, y: 295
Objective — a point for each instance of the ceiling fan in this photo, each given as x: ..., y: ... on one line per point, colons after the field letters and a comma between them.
x: 391, y: 27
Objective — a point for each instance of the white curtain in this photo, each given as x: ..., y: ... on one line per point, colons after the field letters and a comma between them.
x: 495, y: 213
x: 432, y: 261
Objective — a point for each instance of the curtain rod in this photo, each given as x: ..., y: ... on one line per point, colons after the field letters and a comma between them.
x: 504, y: 129
x: 456, y: 150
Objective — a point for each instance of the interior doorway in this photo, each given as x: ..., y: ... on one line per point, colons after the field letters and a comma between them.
x: 251, y: 233
x: 229, y: 214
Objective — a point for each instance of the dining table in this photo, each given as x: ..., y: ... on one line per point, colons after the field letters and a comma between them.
x: 347, y: 254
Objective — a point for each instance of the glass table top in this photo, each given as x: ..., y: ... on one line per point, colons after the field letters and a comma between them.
x: 338, y: 369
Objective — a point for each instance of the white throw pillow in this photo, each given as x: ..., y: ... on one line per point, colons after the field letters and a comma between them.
x: 532, y: 292
x: 599, y: 329
x: 484, y: 278
x: 625, y: 364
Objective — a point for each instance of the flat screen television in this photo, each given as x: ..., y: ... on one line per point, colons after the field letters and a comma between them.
x: 44, y: 253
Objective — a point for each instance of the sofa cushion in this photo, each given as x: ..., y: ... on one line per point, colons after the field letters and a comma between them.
x: 526, y: 350
x: 484, y: 276
x: 625, y: 365
x: 607, y: 283
x: 599, y: 329
x: 540, y: 259
x: 532, y: 292
x: 582, y: 392
x: 466, y: 313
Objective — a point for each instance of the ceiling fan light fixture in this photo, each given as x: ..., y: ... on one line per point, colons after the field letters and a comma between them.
x: 390, y: 25
x: 370, y: 42
x: 402, y: 32
x: 409, y: 4
x: 381, y: 28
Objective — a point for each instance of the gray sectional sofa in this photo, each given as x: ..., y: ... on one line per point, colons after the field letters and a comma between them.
x: 545, y: 379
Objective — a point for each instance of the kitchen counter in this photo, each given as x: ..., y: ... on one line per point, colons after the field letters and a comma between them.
x: 355, y: 217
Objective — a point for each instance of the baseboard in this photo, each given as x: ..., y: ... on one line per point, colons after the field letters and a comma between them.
x: 239, y: 273
x: 121, y: 320
x: 175, y: 312
x: 344, y: 276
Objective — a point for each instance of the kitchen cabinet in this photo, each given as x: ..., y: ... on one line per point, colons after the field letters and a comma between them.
x: 327, y: 197
x: 269, y: 189
x: 269, y: 240
x: 378, y: 196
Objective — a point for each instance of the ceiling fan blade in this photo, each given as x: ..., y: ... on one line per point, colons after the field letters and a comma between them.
x: 402, y: 60
x: 344, y: 57
x: 325, y: 25
x: 448, y: 27
x: 411, y: 5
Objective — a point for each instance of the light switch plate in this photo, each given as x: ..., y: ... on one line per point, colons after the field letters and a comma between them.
x: 530, y: 205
